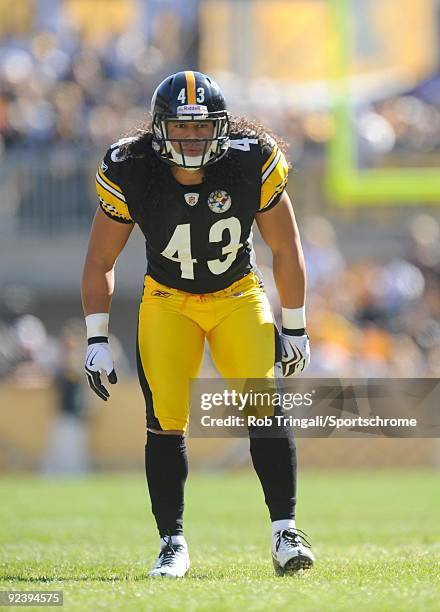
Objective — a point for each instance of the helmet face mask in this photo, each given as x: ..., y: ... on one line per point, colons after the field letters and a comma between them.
x: 195, y: 100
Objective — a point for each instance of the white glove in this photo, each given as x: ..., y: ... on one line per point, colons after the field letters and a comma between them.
x: 99, y: 359
x: 295, y: 352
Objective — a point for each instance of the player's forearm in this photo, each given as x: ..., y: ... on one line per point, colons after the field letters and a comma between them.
x: 97, y: 287
x: 289, y: 273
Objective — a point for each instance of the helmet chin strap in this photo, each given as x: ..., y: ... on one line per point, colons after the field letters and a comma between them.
x: 195, y: 159
x: 179, y: 159
x: 190, y: 169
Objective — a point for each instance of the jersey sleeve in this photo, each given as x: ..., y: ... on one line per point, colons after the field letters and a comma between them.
x: 274, y: 174
x: 111, y: 196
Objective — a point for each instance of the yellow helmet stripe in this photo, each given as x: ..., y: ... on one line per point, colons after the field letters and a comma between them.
x: 190, y: 86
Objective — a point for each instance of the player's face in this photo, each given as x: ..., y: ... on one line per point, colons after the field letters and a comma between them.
x: 190, y: 131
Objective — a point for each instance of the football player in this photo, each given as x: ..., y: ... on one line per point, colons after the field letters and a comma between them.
x: 195, y: 180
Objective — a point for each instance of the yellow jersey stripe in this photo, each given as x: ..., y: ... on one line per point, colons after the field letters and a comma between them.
x: 190, y: 86
x: 270, y: 160
x: 107, y: 180
x: 107, y: 187
x: 278, y: 190
x: 275, y: 181
x: 113, y: 202
x: 272, y: 166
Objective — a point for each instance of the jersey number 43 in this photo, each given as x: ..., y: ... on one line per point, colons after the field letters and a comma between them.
x: 179, y: 247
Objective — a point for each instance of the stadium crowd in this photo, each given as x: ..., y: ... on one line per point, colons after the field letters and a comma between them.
x: 372, y: 319
x: 59, y: 88
x: 62, y: 90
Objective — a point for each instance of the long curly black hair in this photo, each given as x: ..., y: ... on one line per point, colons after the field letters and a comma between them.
x: 228, y: 170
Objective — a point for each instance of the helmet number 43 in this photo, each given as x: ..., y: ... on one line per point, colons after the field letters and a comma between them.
x: 199, y: 99
x: 179, y: 247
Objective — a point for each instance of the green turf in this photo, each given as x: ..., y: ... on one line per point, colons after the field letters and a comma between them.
x: 375, y: 534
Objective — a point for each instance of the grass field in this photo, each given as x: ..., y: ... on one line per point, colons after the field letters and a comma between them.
x: 376, y: 536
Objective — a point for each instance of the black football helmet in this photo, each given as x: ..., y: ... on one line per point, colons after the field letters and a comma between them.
x: 189, y: 96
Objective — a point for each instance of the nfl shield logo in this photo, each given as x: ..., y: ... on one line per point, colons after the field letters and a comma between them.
x: 191, y: 198
x: 219, y: 201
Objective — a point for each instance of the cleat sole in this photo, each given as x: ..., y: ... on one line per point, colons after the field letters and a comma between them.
x: 293, y: 566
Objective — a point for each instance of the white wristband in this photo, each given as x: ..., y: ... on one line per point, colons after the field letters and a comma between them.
x: 97, y: 324
x: 293, y: 318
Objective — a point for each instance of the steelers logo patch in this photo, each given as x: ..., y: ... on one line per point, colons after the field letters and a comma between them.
x: 219, y: 201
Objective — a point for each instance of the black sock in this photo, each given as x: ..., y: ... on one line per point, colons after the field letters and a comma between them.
x: 166, y: 467
x: 274, y: 460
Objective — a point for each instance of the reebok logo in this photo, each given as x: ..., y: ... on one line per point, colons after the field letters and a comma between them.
x: 159, y: 293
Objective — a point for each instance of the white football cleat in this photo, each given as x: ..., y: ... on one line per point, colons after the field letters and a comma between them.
x: 173, y: 559
x: 291, y: 552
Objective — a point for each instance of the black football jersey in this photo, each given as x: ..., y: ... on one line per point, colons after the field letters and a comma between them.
x: 200, y: 237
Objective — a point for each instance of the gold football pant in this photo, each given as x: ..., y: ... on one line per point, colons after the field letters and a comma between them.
x: 237, y: 323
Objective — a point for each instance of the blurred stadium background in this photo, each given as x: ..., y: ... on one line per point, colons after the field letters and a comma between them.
x: 353, y: 86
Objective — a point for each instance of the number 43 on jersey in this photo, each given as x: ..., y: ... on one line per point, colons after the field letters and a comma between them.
x: 179, y: 247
